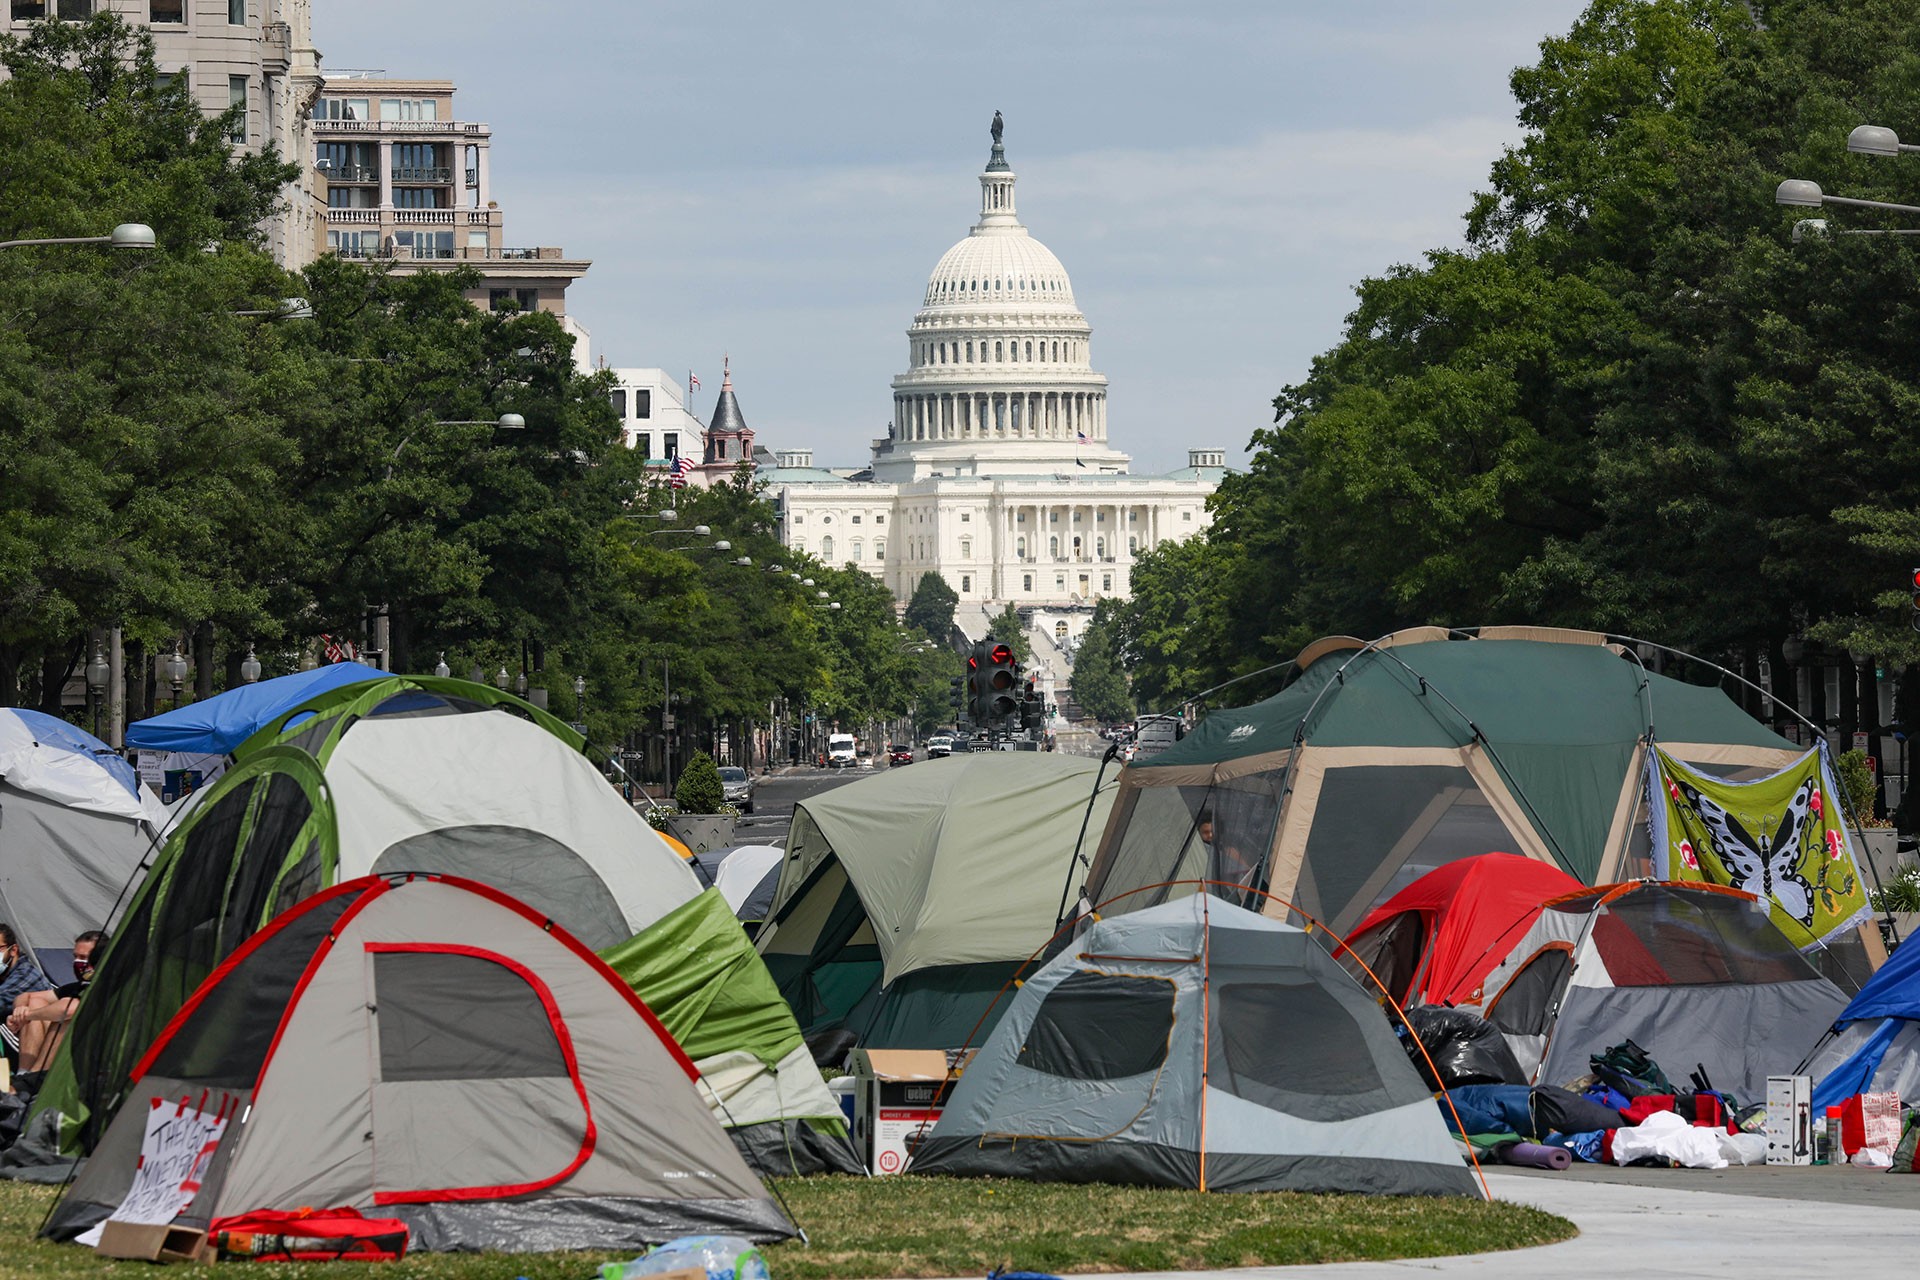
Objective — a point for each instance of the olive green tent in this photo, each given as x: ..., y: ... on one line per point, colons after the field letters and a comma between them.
x: 1383, y: 761
x: 907, y: 900
x: 424, y: 775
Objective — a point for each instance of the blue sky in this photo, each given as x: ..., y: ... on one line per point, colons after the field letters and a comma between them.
x: 776, y: 180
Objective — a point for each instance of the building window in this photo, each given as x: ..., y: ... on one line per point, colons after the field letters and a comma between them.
x: 236, y: 13
x: 879, y: 548
x: 879, y: 519
x: 1020, y: 548
x: 966, y: 517
x: 800, y: 544
x: 1029, y: 351
x: 997, y: 356
x: 1076, y: 549
x: 1053, y: 517
x: 342, y: 109
x: 1100, y: 547
x: 1059, y: 582
x: 826, y: 548
x: 1133, y: 544
x: 643, y: 443
x: 969, y: 353
x: 1060, y: 630
x: 406, y: 109
x: 237, y: 97
x: 858, y: 548
x: 420, y: 198
x: 1186, y: 517
x: 670, y: 445
x: 167, y: 11
x: 719, y: 450
x: 1053, y: 546
x: 1106, y: 582
x: 966, y: 548
x: 618, y: 399
x: 856, y: 519
x: 966, y: 582
x: 352, y: 197
x: 643, y: 403
x: 520, y: 299
x: 826, y: 519
x: 64, y: 10
x: 1026, y: 582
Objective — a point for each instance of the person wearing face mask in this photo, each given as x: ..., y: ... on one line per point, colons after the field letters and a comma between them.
x: 19, y: 975
x: 39, y: 1017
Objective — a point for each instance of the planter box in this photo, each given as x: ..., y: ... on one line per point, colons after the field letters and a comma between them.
x: 701, y: 831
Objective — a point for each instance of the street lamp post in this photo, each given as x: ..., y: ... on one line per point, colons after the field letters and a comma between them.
x: 98, y: 675
x: 441, y: 668
x: 128, y: 235
x: 249, y: 667
x: 176, y: 665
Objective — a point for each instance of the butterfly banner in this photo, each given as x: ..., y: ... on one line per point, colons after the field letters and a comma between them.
x: 1782, y: 838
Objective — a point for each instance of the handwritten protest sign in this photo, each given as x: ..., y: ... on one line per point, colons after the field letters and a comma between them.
x: 180, y: 1137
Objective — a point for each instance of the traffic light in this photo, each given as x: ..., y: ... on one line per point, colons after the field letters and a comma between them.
x: 1033, y: 707
x: 1913, y: 581
x: 977, y: 673
x: 1001, y: 683
x: 955, y: 695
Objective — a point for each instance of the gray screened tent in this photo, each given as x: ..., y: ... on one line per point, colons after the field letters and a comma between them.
x: 1698, y: 975
x: 1197, y: 1044
x: 432, y: 1050
x: 908, y: 900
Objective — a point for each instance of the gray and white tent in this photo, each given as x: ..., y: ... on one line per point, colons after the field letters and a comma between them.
x: 432, y: 1050
x: 75, y: 825
x: 1197, y: 1044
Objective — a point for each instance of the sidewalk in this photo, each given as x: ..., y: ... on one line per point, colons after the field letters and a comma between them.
x: 1657, y: 1232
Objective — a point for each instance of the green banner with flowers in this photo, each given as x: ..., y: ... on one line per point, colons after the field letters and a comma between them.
x: 1782, y: 838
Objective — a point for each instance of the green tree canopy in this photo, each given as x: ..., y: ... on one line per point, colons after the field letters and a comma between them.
x: 1099, y: 683
x: 931, y: 608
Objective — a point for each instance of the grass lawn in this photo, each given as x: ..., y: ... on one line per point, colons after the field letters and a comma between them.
x: 908, y: 1226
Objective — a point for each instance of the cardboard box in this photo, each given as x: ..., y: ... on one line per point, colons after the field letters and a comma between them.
x: 1789, y: 1127
x: 898, y: 1097
x: 161, y: 1242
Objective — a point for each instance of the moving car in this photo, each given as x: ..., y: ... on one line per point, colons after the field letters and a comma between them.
x: 938, y: 745
x: 899, y: 753
x: 841, y: 753
x: 737, y: 787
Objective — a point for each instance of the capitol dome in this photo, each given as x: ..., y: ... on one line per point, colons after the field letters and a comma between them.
x: 1000, y: 376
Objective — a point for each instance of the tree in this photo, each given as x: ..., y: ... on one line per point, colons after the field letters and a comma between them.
x: 932, y: 605
x: 1005, y: 628
x: 699, y: 789
x: 1099, y: 684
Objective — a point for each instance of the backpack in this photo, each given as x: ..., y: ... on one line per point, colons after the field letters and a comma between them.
x: 1627, y: 1067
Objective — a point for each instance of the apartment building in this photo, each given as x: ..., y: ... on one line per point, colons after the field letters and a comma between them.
x: 410, y: 183
x: 254, y: 53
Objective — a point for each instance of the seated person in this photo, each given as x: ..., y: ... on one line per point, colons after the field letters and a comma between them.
x: 19, y: 975
x: 39, y: 1016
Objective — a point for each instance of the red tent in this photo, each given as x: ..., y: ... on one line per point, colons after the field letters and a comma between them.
x: 1434, y: 941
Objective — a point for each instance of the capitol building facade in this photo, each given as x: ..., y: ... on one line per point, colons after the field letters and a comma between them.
x: 996, y: 470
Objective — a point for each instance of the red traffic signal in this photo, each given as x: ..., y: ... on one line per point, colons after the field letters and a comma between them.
x: 1003, y: 654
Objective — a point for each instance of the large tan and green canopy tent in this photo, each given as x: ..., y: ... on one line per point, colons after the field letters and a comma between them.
x: 1383, y: 761
x: 437, y: 776
x: 907, y: 900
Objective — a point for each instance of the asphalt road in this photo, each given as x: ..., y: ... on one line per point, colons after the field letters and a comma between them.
x: 775, y: 795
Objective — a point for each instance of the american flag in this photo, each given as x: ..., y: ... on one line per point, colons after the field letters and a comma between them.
x: 677, y: 477
x: 1082, y: 438
x: 693, y: 383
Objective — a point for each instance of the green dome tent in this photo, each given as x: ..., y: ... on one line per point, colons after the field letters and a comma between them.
x: 908, y: 900
x: 1383, y: 761
x: 449, y: 777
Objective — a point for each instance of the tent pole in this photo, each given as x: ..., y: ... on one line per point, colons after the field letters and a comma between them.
x: 1079, y: 857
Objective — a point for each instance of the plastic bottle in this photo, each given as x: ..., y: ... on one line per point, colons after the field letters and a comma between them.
x: 1836, y: 1149
x: 1820, y: 1153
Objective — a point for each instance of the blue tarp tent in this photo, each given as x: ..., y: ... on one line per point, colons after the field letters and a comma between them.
x: 1876, y: 1045
x: 216, y: 725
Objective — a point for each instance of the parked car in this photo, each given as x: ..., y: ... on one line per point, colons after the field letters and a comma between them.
x: 737, y: 787
x: 899, y: 753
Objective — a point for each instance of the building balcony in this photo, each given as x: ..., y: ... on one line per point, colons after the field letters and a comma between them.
x: 348, y: 173
x: 432, y: 173
x: 323, y: 127
x: 276, y: 54
x: 426, y: 217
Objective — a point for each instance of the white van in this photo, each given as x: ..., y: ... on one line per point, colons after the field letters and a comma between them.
x: 840, y: 751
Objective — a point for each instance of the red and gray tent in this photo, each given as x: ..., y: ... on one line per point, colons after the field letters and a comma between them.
x: 430, y: 1049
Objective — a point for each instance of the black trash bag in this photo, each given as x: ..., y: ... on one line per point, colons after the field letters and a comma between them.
x: 1465, y: 1047
x: 13, y: 1115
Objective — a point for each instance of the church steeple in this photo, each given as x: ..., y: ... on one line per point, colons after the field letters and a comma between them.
x: 729, y: 439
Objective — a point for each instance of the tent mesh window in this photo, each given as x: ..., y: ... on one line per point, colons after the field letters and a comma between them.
x: 1658, y: 936
x: 1294, y: 1047
x: 1101, y: 1026
x: 1522, y: 1006
x: 1160, y: 839
x: 531, y: 865
x: 1377, y: 828
x: 447, y: 1016
x: 281, y: 809
x: 1392, y: 951
x: 224, y: 1042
